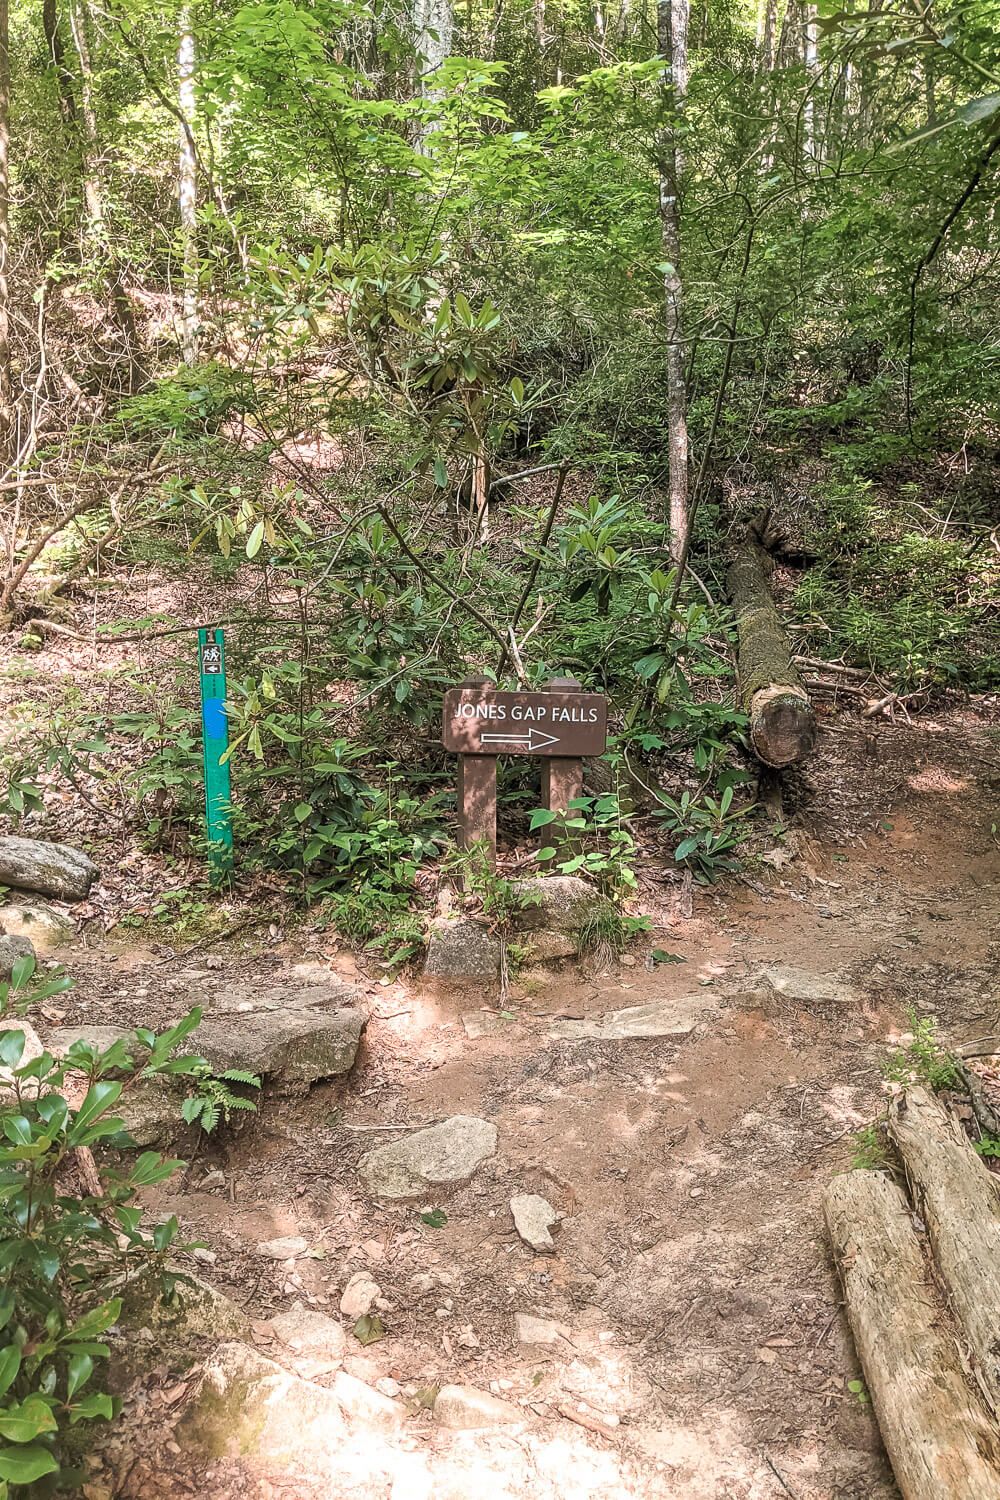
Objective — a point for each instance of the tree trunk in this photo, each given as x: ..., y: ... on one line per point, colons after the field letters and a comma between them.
x: 92, y: 195
x: 959, y: 1202
x: 782, y: 721
x: 810, y: 48
x: 672, y: 18
x: 768, y: 25
x: 433, y: 25
x: 6, y: 382
x: 57, y: 54
x: 941, y: 1443
x: 187, y: 188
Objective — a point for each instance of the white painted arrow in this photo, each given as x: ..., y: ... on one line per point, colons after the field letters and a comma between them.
x: 534, y: 739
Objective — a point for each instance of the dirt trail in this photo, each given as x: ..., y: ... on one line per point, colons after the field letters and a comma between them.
x: 700, y: 1311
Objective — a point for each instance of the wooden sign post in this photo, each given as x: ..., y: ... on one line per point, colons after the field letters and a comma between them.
x: 560, y: 726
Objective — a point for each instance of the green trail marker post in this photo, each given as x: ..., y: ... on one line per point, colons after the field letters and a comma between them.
x: 215, y: 741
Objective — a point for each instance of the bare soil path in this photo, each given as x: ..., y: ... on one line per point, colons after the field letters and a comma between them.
x: 701, y: 1350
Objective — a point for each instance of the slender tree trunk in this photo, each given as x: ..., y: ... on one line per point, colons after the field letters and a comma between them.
x: 433, y: 26
x: 6, y: 382
x: 672, y: 35
x: 92, y: 194
x: 187, y: 188
x: 810, y: 46
x: 766, y: 35
x: 57, y: 54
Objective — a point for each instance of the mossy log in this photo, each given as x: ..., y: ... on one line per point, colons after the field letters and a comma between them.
x: 941, y: 1441
x: 958, y: 1200
x: 782, y: 721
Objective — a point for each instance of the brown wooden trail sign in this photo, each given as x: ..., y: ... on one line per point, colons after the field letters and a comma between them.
x: 560, y: 725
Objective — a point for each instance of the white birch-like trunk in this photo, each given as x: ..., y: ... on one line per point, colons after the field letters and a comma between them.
x: 187, y: 188
x: 672, y: 34
x: 433, y: 25
x: 810, y: 141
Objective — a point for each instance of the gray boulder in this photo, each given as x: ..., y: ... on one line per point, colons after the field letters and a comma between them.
x: 295, y: 1049
x: 295, y: 1045
x: 46, y: 928
x: 558, y: 903
x: 175, y: 1333
x: 51, y: 869
x: 13, y: 947
x: 440, y: 1156
x: 461, y: 948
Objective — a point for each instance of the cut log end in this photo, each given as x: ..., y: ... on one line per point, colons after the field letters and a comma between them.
x: 782, y: 721
x: 782, y: 725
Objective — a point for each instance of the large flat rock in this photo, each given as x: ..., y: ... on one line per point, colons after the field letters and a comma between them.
x: 51, y: 869
x: 785, y: 982
x: 664, y: 1018
x: 441, y: 1156
x: 295, y: 1048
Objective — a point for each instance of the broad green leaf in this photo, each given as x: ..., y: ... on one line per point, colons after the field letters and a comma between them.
x: 10, y: 1363
x: 99, y: 1098
x: 255, y: 539
x: 78, y: 1372
x: 11, y: 1048
x: 24, y: 1423
x: 26, y: 1465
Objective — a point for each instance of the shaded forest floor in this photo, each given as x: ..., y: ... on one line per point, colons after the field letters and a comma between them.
x: 699, y: 1315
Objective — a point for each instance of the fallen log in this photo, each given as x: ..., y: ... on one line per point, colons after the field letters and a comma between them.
x: 957, y: 1199
x: 782, y: 721
x: 942, y: 1444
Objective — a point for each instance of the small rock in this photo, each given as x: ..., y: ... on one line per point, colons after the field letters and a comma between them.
x: 359, y: 1295
x: 285, y: 1248
x: 532, y: 1330
x: 319, y: 1343
x: 461, y: 948
x: 12, y: 948
x: 207, y: 1257
x: 696, y: 1193
x: 439, y: 1156
x: 463, y: 1407
x: 673, y: 1018
x: 533, y: 1217
x: 388, y: 1386
x: 360, y: 1403
x: 51, y: 869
